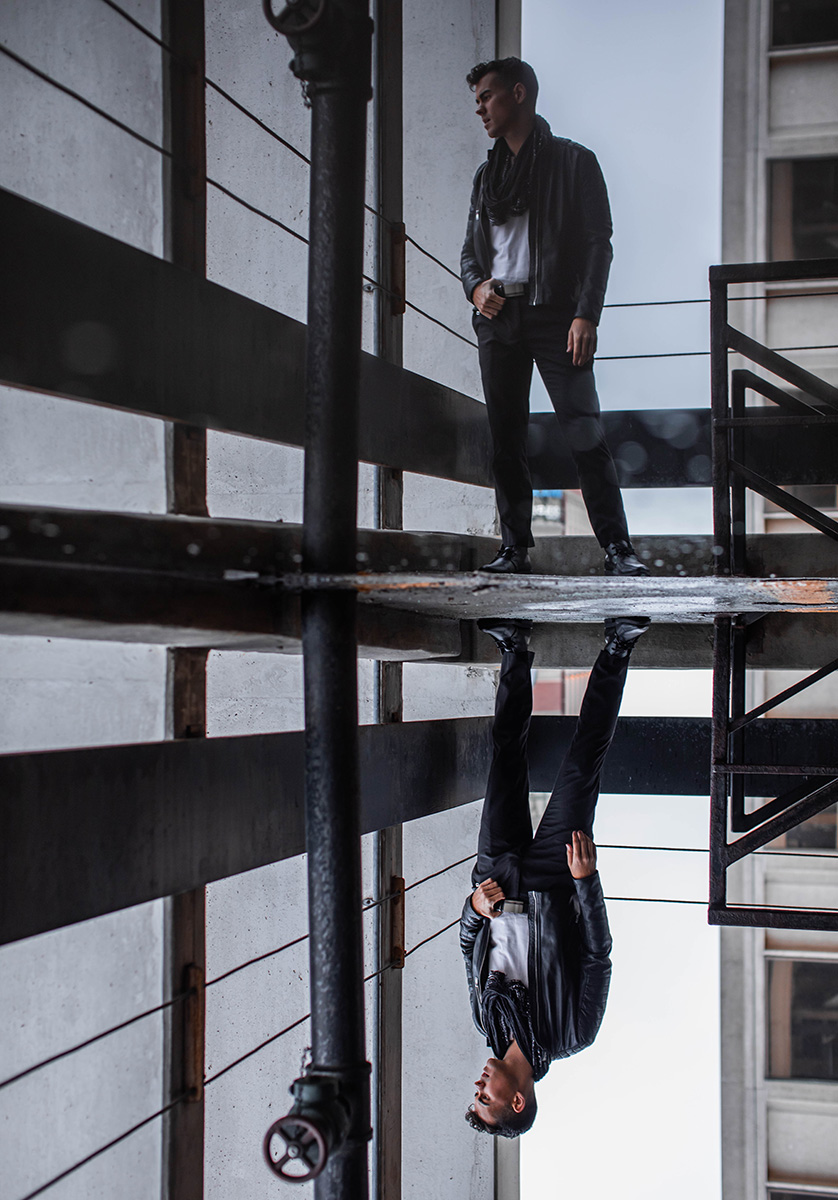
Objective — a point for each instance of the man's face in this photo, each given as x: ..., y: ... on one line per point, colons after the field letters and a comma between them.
x: 497, y: 106
x: 495, y: 1091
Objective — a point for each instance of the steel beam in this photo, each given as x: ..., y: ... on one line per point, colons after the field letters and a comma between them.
x: 212, y: 548
x: 86, y: 832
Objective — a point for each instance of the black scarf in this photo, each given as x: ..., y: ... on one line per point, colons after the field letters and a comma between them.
x: 506, y: 1016
x: 508, y: 180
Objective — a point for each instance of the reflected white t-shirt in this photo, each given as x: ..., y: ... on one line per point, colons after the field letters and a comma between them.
x: 511, y: 249
x: 509, y: 943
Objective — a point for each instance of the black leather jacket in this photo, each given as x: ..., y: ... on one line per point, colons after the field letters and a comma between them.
x: 568, y: 964
x: 570, y: 232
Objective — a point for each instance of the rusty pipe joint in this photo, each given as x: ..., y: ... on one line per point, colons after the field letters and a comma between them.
x: 331, y: 41
x: 322, y: 1120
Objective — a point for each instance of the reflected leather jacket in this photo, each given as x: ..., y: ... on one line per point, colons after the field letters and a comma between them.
x: 569, y: 230
x: 568, y: 964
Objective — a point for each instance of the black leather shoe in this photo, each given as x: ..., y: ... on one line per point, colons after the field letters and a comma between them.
x: 621, y: 634
x: 510, y: 560
x: 620, y: 559
x: 509, y: 635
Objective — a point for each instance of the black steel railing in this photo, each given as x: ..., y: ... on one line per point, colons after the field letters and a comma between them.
x: 743, y: 436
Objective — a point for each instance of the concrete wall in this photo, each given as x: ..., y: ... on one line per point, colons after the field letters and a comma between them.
x: 68, y: 985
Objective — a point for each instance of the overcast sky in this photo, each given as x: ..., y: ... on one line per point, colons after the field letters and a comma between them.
x: 637, y: 1115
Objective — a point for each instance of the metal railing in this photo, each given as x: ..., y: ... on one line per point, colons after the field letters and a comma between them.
x: 810, y: 409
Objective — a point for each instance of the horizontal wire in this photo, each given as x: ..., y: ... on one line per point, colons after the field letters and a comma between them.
x: 243, y: 1058
x: 442, y: 324
x: 704, y: 850
x: 61, y: 87
x: 259, y: 958
x: 114, y: 1142
x: 259, y: 212
x: 432, y: 257
x: 293, y: 233
x: 654, y: 900
x: 275, y: 1037
x: 294, y: 150
x: 96, y: 1038
x: 441, y: 871
x: 137, y: 25
x: 256, y: 120
x: 286, y: 946
x: 425, y: 941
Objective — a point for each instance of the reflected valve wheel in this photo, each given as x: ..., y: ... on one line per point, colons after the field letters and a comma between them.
x: 295, y: 1148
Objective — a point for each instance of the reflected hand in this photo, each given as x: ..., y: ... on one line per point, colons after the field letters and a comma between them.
x: 485, y: 896
x: 581, y: 855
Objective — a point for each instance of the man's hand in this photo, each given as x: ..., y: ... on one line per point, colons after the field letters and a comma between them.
x: 485, y: 896
x: 486, y: 300
x: 581, y: 855
x: 581, y: 340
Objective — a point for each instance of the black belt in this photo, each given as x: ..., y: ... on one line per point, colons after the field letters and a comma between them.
x: 508, y: 290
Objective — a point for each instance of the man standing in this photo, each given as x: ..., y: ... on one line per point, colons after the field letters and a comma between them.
x: 534, y: 932
x: 535, y: 265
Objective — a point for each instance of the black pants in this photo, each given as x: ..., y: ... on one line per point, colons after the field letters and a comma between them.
x: 506, y: 849
x: 509, y: 344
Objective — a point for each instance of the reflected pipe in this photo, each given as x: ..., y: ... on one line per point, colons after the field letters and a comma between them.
x: 332, y: 44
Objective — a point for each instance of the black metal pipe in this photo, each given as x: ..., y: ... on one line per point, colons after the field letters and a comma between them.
x: 329, y: 635
x: 332, y: 40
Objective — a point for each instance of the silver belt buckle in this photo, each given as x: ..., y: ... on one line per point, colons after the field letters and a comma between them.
x: 514, y: 289
x: 514, y: 906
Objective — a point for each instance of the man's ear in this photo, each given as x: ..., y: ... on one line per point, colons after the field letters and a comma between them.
x: 520, y: 93
x: 519, y: 1102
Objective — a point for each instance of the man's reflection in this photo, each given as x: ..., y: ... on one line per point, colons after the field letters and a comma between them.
x: 534, y: 932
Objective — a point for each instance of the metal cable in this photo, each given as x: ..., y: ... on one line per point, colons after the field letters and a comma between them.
x: 259, y: 958
x: 275, y: 1037
x: 258, y: 211
x: 425, y: 941
x: 132, y: 21
x: 96, y: 1038
x: 256, y: 121
x: 441, y: 871
x: 442, y: 324
x: 654, y: 900
x: 701, y: 353
x: 432, y: 257
x: 114, y: 1142
x: 286, y: 946
x: 61, y: 87
x: 704, y: 850
x: 243, y: 1058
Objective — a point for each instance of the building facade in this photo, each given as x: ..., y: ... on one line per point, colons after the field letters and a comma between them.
x: 779, y: 998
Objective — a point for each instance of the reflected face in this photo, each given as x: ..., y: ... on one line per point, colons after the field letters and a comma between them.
x: 497, y: 106
x: 496, y: 1088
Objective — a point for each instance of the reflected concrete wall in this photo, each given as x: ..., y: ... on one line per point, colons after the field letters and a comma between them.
x: 66, y: 986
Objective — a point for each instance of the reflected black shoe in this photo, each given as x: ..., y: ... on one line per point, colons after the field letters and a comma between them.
x: 510, y: 560
x: 509, y: 635
x: 621, y: 634
x: 620, y: 559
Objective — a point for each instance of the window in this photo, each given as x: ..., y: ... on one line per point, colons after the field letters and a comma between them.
x: 802, y: 1019
x: 818, y: 833
x: 782, y: 1194
x: 804, y: 208
x: 803, y: 22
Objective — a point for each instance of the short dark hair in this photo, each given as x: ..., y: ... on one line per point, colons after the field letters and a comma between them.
x: 510, y: 71
x: 510, y: 1125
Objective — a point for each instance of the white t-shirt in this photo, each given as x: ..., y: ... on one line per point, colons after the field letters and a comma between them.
x: 511, y: 249
x: 509, y: 943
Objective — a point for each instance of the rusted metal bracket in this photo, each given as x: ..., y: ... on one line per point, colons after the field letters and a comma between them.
x: 397, y: 890
x: 194, y: 1032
